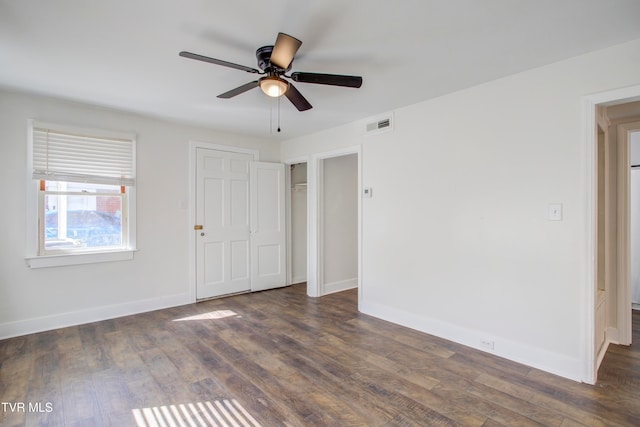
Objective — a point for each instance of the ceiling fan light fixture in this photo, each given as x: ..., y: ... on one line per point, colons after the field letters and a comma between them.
x: 273, y: 86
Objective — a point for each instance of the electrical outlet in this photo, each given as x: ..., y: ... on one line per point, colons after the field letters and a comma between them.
x: 487, y: 344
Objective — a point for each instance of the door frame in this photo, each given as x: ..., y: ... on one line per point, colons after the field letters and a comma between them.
x: 624, y: 320
x: 193, y: 147
x: 590, y: 104
x: 314, y: 218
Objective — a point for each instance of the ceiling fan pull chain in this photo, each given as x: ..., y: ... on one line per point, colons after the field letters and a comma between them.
x: 271, y: 116
x: 279, y: 113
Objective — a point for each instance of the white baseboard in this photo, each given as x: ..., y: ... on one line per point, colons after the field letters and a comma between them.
x: 298, y: 279
x: 40, y: 324
x: 343, y: 285
x: 611, y: 336
x: 538, y: 358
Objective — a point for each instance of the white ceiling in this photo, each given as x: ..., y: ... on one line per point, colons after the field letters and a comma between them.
x: 124, y: 53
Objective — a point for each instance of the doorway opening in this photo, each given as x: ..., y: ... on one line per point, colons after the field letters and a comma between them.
x: 617, y: 223
x: 298, y: 223
x: 338, y: 213
x: 332, y: 226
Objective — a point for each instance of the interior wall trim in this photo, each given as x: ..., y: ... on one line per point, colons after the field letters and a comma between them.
x: 73, y: 318
x: 538, y: 358
x: 342, y: 285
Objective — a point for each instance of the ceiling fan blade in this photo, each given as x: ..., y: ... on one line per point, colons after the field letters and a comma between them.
x: 218, y: 62
x: 327, y: 79
x: 284, y: 50
x: 238, y: 90
x: 297, y: 99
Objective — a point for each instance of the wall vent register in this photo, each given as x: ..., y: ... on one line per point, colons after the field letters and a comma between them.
x: 380, y: 125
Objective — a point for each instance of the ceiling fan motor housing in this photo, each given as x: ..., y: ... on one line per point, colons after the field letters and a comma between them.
x: 263, y: 55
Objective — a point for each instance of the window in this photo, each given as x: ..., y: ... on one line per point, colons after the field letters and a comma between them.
x: 78, y: 216
x: 84, y: 181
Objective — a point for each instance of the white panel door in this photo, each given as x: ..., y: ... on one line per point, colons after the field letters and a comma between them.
x: 267, y: 226
x: 222, y: 209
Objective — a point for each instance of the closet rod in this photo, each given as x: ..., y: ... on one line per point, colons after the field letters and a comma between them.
x: 635, y: 166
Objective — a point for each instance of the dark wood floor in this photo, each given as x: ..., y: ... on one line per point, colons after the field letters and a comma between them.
x: 279, y: 358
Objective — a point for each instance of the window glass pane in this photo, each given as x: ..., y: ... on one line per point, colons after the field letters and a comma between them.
x: 79, y: 216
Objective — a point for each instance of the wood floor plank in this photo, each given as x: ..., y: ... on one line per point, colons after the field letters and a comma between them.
x: 15, y: 371
x: 540, y: 399
x: 79, y: 401
x: 190, y: 370
x: 416, y: 382
x: 262, y: 387
x: 273, y: 382
x: 280, y: 358
x: 356, y: 375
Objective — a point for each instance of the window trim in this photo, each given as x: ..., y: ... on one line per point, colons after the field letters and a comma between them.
x: 43, y: 261
x: 32, y: 258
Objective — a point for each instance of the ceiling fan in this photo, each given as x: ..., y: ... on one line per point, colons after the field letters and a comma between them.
x: 274, y: 62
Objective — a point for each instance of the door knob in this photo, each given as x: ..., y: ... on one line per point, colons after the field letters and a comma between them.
x: 202, y: 234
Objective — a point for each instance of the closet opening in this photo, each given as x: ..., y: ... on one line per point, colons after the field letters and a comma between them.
x: 298, y: 223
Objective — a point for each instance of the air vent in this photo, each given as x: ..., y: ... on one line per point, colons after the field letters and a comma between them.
x: 380, y: 125
x: 384, y: 123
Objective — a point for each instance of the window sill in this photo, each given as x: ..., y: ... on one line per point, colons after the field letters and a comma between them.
x: 79, y: 258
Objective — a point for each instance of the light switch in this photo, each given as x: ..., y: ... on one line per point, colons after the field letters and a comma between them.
x: 555, y: 212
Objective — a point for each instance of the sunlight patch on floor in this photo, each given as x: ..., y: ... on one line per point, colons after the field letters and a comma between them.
x: 212, y: 315
x: 225, y: 413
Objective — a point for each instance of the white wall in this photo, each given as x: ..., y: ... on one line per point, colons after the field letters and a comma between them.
x: 340, y: 223
x: 455, y: 239
x: 159, y: 274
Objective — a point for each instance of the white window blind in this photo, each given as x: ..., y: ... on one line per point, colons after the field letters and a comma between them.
x: 78, y: 156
